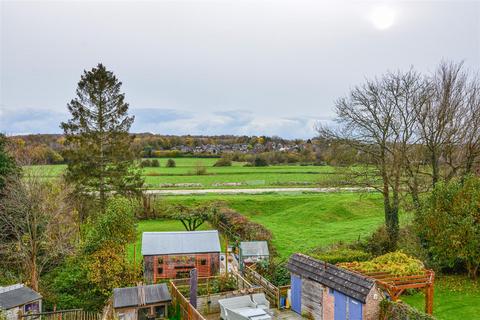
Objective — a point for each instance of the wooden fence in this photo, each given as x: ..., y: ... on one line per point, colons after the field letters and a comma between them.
x: 182, y: 305
x: 272, y: 292
x: 71, y: 314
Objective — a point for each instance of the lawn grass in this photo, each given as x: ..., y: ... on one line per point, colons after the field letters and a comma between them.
x: 455, y: 297
x: 300, y: 222
x: 249, y: 177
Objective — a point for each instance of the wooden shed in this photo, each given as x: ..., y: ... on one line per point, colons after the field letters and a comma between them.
x: 324, y: 291
x: 142, y: 302
x: 18, y: 299
x: 169, y: 255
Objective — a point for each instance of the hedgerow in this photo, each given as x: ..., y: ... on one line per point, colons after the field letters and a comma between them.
x: 390, y: 310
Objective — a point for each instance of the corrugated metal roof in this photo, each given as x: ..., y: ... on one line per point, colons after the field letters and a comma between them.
x: 342, y: 280
x: 158, y: 243
x: 254, y: 248
x: 17, y: 297
x: 141, y: 295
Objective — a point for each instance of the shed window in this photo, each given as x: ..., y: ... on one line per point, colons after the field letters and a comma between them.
x: 143, y: 313
x: 203, y: 262
x: 160, y: 312
x: 160, y: 270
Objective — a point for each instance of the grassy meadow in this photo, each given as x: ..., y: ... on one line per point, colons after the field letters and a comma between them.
x: 300, y: 222
x: 217, y: 177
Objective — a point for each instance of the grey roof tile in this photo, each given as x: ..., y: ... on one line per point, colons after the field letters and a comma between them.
x: 18, y: 297
x: 130, y: 296
x: 159, y: 243
x: 254, y: 248
x: 342, y: 280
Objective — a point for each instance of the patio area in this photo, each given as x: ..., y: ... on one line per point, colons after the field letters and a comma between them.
x: 285, y: 314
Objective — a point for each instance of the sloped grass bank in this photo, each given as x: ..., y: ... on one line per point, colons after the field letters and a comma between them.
x: 300, y: 222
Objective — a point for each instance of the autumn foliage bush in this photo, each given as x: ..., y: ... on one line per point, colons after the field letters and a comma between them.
x: 449, y: 225
x: 397, y: 263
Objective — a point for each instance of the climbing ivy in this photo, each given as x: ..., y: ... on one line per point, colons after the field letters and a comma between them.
x: 390, y: 310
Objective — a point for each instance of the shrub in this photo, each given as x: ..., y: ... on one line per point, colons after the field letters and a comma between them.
x: 242, y: 227
x: 260, y: 162
x: 145, y: 163
x: 223, y: 162
x: 155, y: 163
x: 274, y: 271
x: 378, y: 242
x: 449, y: 224
x: 399, y: 311
x: 171, y: 163
x: 200, y: 169
x: 397, y: 263
x: 340, y: 254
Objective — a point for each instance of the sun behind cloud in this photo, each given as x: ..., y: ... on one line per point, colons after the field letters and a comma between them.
x: 382, y: 17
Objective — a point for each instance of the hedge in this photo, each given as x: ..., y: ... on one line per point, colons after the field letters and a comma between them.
x: 390, y: 310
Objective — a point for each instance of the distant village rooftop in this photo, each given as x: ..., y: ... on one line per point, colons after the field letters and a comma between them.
x: 180, y: 242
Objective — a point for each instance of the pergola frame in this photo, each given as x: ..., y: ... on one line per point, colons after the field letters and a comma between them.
x: 396, y: 285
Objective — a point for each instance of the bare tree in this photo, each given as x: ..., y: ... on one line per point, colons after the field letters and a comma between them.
x: 377, y: 120
x: 440, y: 120
x: 37, y: 226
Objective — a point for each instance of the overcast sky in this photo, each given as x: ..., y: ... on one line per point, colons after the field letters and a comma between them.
x: 220, y: 67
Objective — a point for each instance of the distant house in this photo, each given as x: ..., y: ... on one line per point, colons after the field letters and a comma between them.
x: 252, y: 252
x: 18, y: 299
x: 169, y: 255
x: 142, y: 302
x: 324, y: 291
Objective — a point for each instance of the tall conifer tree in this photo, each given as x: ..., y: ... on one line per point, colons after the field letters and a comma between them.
x: 97, y: 137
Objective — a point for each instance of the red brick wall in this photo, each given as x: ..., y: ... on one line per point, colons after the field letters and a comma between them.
x: 179, y: 266
x: 328, y: 305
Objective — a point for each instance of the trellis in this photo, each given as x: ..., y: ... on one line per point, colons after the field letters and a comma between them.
x: 395, y: 285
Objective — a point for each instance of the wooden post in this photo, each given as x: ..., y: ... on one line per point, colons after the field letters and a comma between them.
x: 226, y: 255
x: 429, y: 299
x: 135, y: 257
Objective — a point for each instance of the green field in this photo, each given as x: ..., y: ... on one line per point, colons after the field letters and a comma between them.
x: 215, y: 177
x: 301, y: 222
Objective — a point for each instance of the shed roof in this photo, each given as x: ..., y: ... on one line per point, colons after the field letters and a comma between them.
x: 140, y: 296
x: 17, y: 295
x: 347, y: 282
x: 254, y: 248
x: 158, y: 243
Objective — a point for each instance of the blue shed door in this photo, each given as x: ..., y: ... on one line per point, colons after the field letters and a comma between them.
x: 354, y: 309
x: 296, y: 293
x: 340, y: 309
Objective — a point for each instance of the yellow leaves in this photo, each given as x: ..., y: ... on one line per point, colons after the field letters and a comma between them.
x: 107, y: 268
x: 396, y: 263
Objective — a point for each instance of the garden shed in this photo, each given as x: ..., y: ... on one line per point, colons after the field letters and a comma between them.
x: 142, y: 302
x: 324, y: 291
x: 170, y: 255
x: 251, y: 252
x: 19, y: 299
